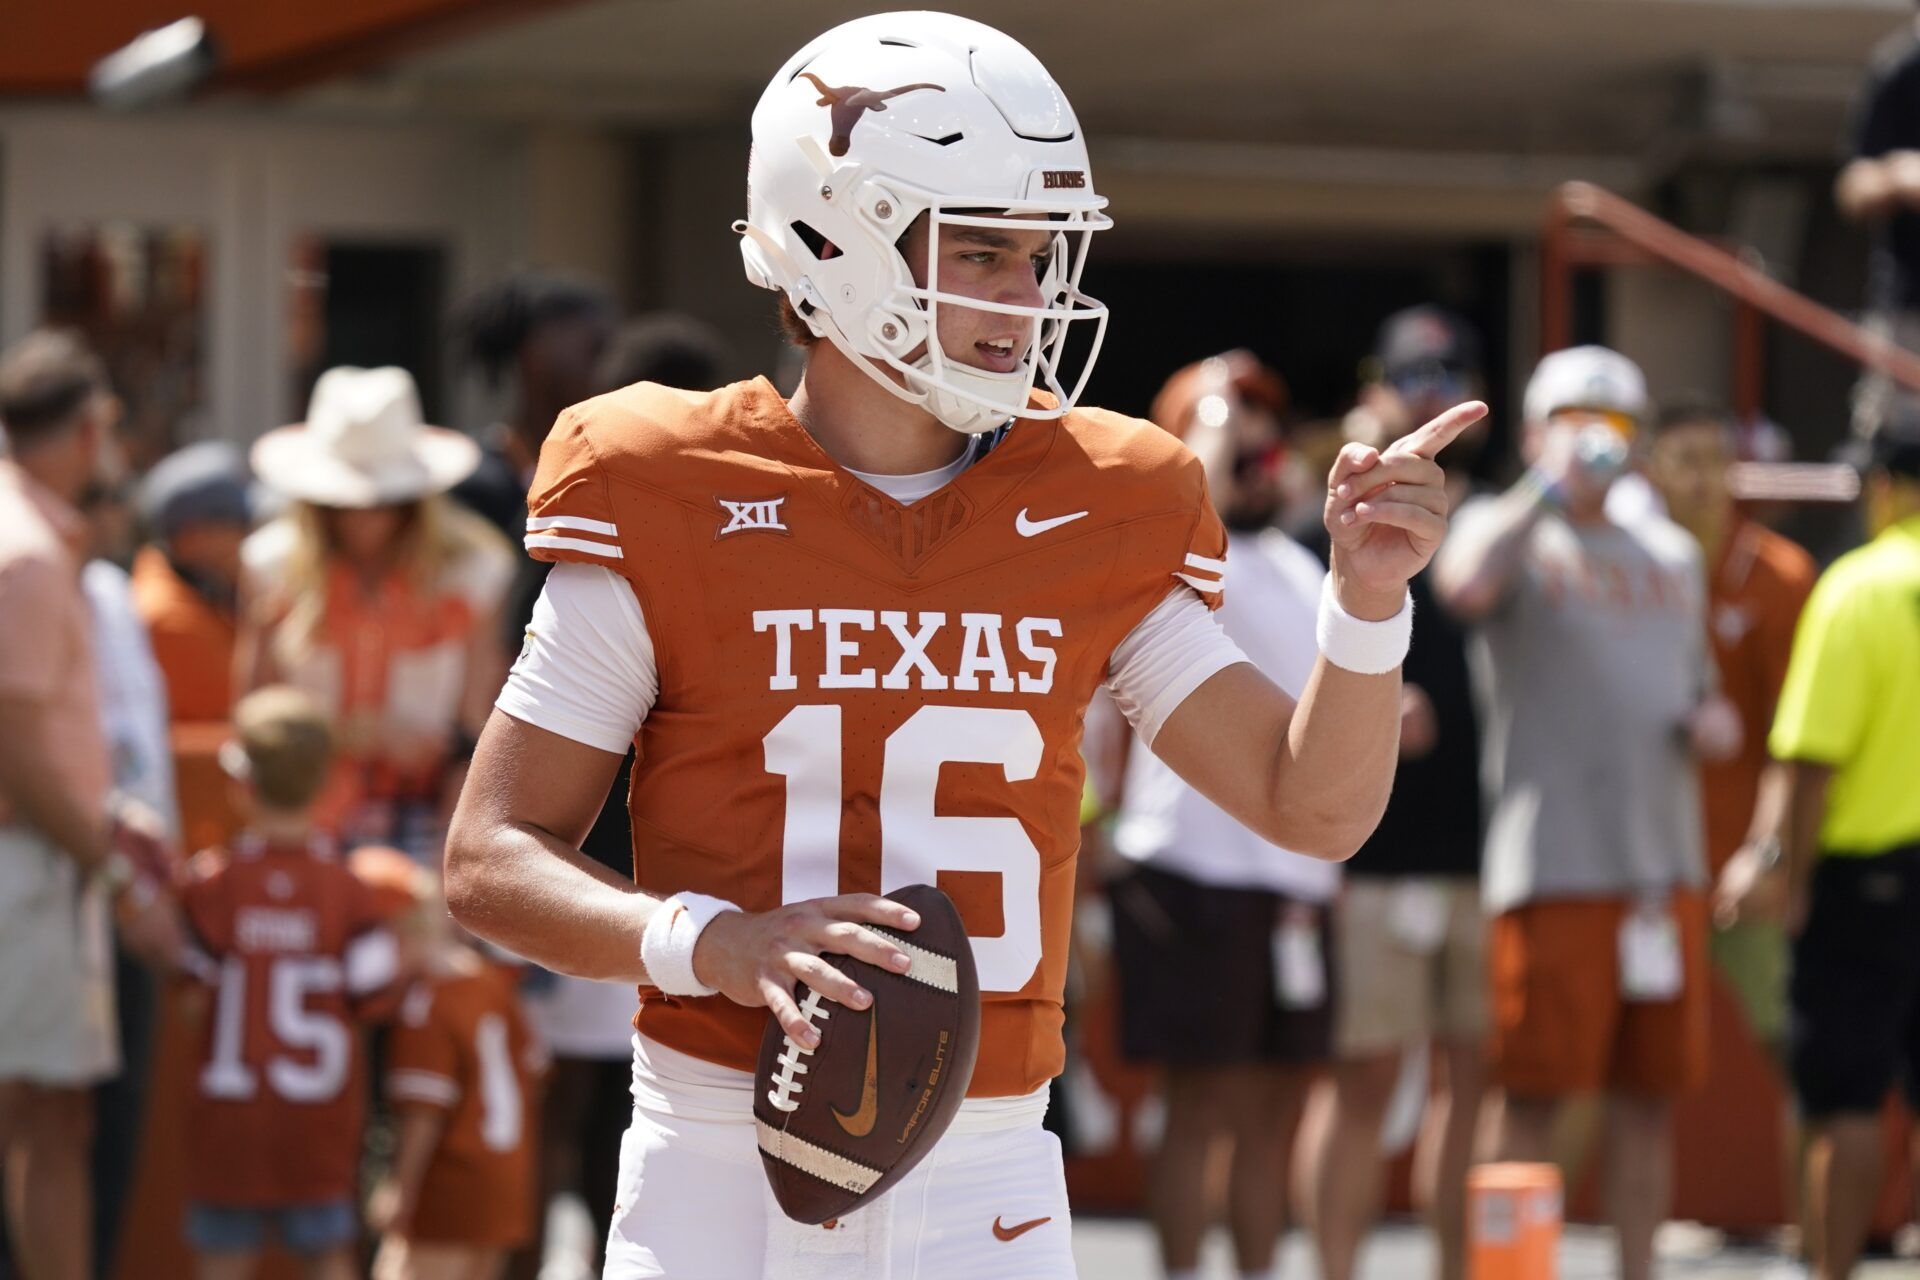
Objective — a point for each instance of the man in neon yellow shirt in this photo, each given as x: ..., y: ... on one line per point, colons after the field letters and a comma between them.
x: 1848, y: 730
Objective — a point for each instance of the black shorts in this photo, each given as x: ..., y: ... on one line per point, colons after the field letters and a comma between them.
x: 1197, y: 981
x: 1855, y: 990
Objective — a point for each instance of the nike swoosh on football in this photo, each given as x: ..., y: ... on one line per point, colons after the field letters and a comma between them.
x: 860, y: 1123
x: 1015, y: 1232
x: 1027, y: 528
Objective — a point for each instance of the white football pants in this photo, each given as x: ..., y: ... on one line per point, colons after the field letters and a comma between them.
x: 988, y: 1202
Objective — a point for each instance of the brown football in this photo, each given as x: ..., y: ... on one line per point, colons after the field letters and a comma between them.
x: 841, y: 1123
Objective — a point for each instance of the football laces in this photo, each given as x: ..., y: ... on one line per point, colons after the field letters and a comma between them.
x: 784, y: 1095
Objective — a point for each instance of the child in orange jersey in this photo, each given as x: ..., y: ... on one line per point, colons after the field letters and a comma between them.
x: 294, y: 951
x: 462, y: 1067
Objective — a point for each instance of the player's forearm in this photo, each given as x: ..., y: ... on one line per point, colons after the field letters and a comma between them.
x: 1335, y: 769
x: 514, y: 872
x: 1477, y: 565
x: 529, y: 891
x: 1310, y: 776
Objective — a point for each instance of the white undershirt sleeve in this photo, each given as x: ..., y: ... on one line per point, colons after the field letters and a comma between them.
x: 587, y: 670
x: 1169, y: 653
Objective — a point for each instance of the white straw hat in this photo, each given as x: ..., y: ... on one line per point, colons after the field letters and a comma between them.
x: 363, y: 444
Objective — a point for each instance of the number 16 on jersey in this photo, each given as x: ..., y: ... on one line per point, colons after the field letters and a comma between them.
x: 917, y: 844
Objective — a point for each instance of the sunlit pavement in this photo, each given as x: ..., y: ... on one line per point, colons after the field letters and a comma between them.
x: 1122, y: 1249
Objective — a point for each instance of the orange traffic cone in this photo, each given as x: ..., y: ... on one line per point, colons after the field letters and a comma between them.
x: 1513, y: 1222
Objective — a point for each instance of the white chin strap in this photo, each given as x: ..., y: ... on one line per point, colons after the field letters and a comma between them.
x: 992, y: 398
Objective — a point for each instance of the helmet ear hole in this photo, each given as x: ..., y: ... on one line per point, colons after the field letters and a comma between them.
x: 818, y: 245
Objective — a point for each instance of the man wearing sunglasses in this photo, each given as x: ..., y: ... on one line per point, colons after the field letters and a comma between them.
x: 1596, y: 676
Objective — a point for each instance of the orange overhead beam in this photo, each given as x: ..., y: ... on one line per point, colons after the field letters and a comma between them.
x: 265, y: 47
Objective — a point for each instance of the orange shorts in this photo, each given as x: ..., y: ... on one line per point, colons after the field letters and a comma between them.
x: 1560, y: 1023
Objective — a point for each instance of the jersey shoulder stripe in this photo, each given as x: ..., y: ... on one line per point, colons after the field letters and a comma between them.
x: 1147, y: 471
x: 659, y: 443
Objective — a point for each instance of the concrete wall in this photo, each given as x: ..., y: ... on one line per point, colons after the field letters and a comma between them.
x: 1679, y: 331
x: 580, y: 197
x: 697, y: 183
x: 492, y: 195
x: 649, y: 214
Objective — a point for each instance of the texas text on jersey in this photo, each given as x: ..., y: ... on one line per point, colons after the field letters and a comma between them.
x: 857, y: 695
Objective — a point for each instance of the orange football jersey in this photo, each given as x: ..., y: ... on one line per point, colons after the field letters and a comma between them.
x: 462, y: 1045
x: 290, y: 943
x: 857, y: 695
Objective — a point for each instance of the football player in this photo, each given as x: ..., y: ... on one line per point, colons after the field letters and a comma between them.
x: 851, y: 636
x: 294, y: 948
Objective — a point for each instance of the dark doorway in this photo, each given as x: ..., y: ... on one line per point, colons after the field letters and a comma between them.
x: 369, y: 304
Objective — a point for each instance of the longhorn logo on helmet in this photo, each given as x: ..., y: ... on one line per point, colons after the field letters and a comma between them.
x: 851, y: 103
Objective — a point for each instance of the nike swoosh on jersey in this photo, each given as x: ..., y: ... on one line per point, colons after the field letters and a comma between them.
x: 860, y: 1123
x: 1018, y: 1230
x: 1028, y: 528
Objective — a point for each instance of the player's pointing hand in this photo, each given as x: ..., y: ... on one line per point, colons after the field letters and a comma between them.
x: 1386, y: 511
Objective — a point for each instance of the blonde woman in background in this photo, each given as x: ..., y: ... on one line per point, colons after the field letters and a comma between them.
x: 380, y: 598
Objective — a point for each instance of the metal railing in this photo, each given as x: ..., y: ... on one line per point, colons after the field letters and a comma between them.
x: 1589, y: 226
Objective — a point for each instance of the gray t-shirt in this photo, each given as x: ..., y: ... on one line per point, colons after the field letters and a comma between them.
x: 1586, y: 672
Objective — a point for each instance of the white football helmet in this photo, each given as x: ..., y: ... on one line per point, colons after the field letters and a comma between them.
x: 888, y: 117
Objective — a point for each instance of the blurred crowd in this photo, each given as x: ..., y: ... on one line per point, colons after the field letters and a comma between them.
x: 1642, y: 751
x: 279, y: 661
x: 1645, y: 747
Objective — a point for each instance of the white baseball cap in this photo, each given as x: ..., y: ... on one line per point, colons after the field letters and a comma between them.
x: 1586, y: 378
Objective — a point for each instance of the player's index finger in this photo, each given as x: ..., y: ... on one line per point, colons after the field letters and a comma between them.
x: 1429, y: 440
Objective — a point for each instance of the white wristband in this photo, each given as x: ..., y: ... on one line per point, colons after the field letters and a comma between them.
x: 1353, y: 644
x: 666, y: 946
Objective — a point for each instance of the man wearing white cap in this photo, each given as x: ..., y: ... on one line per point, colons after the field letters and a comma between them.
x: 1593, y: 664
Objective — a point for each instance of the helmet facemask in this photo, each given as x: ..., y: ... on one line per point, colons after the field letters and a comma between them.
x: 971, y: 399
x: 962, y: 396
